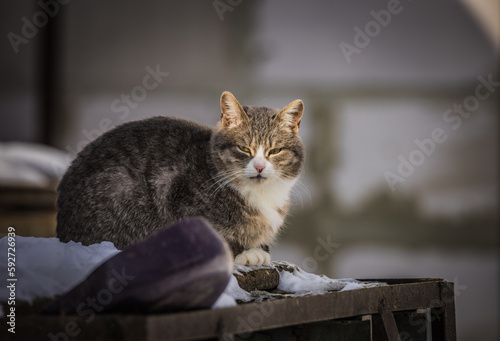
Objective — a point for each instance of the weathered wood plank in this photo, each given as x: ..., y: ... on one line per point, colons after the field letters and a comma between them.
x: 443, y: 317
x: 102, y: 328
x: 269, y: 315
x: 259, y: 279
x: 292, y: 311
x: 390, y: 327
x: 354, y: 329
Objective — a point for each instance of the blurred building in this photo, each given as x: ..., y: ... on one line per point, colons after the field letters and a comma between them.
x: 401, y: 176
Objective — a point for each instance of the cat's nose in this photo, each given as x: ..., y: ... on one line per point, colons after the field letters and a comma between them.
x: 259, y: 167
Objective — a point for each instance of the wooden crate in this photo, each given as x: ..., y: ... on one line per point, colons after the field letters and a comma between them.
x: 406, y: 309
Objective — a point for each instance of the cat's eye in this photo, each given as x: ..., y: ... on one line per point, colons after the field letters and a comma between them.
x: 274, y: 151
x: 244, y: 149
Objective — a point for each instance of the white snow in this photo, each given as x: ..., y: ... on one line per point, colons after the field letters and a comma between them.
x: 296, y: 283
x: 232, y: 293
x: 233, y: 289
x: 300, y: 281
x: 240, y: 269
x: 224, y: 301
x: 303, y: 283
x: 353, y: 286
x: 45, y: 267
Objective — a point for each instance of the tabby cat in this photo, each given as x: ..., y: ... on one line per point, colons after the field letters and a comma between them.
x: 143, y: 175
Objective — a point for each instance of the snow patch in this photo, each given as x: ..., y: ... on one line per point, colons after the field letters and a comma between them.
x: 46, y: 267
x: 224, y: 301
x: 297, y: 283
x: 233, y: 291
x: 300, y: 281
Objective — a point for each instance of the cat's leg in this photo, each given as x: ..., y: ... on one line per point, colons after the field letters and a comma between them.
x: 265, y: 248
x: 253, y: 256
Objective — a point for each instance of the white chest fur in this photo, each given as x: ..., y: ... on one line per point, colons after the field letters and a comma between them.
x: 268, y: 198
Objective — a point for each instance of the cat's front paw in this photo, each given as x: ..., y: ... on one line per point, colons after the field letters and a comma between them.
x: 254, y: 256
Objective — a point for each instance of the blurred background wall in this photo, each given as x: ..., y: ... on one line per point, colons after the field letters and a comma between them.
x: 401, y: 118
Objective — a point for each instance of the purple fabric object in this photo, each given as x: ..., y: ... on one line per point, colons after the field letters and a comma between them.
x: 184, y: 266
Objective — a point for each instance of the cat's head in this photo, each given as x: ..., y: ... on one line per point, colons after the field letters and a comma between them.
x: 257, y: 146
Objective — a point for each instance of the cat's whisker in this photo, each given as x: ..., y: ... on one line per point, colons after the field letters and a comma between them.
x: 221, y: 186
x: 304, y: 190
x: 298, y: 189
x: 297, y: 196
x: 221, y: 177
x: 222, y: 174
x: 218, y: 179
x: 225, y: 181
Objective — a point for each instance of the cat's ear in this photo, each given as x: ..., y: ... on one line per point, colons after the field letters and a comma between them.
x: 292, y: 114
x: 232, y: 114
